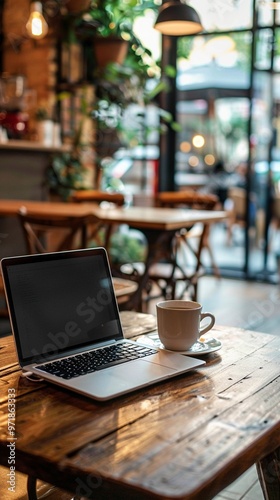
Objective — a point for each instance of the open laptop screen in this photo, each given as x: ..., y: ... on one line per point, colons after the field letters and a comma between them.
x: 60, y: 302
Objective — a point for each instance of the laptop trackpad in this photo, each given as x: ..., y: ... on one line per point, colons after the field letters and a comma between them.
x: 119, y: 379
x: 142, y: 369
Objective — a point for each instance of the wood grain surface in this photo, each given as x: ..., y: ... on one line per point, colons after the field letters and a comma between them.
x: 188, y: 438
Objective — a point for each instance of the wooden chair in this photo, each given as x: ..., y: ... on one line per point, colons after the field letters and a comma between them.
x: 192, y: 200
x: 99, y: 197
x: 186, y: 199
x: 179, y: 271
x: 274, y: 225
x: 237, y: 214
x: 237, y: 211
x: 165, y: 275
x: 44, y: 233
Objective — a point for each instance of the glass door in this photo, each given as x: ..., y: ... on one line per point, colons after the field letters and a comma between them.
x: 228, y: 106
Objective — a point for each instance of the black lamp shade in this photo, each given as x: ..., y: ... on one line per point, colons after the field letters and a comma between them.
x: 177, y: 19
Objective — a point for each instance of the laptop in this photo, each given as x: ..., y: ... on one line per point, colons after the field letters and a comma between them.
x: 67, y: 328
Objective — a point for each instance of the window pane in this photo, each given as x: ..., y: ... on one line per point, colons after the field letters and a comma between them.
x: 224, y: 15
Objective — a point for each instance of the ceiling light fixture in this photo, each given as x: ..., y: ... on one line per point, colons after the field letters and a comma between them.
x: 177, y: 19
x: 36, y: 25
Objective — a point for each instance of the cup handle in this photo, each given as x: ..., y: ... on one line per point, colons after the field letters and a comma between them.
x: 210, y: 325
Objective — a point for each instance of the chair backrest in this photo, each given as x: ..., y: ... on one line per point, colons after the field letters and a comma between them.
x: 38, y: 231
x: 276, y: 206
x: 187, y: 198
x: 238, y: 197
x: 45, y: 233
x: 98, y: 196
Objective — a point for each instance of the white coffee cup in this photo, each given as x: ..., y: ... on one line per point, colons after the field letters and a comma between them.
x: 178, y: 323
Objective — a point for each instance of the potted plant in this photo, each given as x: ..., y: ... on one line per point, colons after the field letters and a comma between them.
x: 117, y: 85
x: 114, y: 28
x: 123, y: 93
x: 74, y: 170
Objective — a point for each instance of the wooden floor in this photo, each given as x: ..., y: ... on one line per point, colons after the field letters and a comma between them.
x: 239, y: 303
x: 251, y: 305
x: 243, y: 304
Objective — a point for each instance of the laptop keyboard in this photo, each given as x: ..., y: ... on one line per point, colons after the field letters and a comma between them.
x: 91, y: 361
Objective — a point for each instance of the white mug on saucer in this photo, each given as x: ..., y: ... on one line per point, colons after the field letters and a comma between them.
x: 178, y: 323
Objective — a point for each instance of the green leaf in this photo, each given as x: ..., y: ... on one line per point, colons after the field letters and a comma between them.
x: 156, y: 90
x: 176, y: 126
x: 170, y: 71
x: 166, y: 116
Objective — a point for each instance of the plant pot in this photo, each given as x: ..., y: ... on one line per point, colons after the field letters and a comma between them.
x: 76, y: 6
x: 107, y: 142
x: 109, y: 49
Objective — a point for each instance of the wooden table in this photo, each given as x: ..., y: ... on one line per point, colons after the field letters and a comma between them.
x: 159, y: 226
x: 165, y: 219
x: 186, y: 439
x: 123, y: 289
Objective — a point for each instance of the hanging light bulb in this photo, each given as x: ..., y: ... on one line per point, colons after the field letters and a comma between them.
x: 36, y: 25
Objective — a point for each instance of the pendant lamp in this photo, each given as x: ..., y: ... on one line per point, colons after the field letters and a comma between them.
x: 177, y: 19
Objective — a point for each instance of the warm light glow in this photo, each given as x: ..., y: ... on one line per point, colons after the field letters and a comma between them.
x: 219, y: 45
x: 185, y: 147
x: 20, y: 126
x: 198, y: 141
x: 178, y: 28
x: 271, y: 5
x: 36, y: 25
x: 193, y: 161
x: 209, y: 159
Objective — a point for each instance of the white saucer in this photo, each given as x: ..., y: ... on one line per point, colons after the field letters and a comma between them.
x: 199, y: 348
x: 206, y: 347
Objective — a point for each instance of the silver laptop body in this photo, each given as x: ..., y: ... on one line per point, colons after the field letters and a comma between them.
x: 62, y: 305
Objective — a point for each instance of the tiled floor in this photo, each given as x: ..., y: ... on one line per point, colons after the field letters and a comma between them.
x: 247, y: 487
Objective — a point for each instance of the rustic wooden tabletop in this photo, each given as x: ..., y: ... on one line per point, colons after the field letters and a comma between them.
x: 186, y: 438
